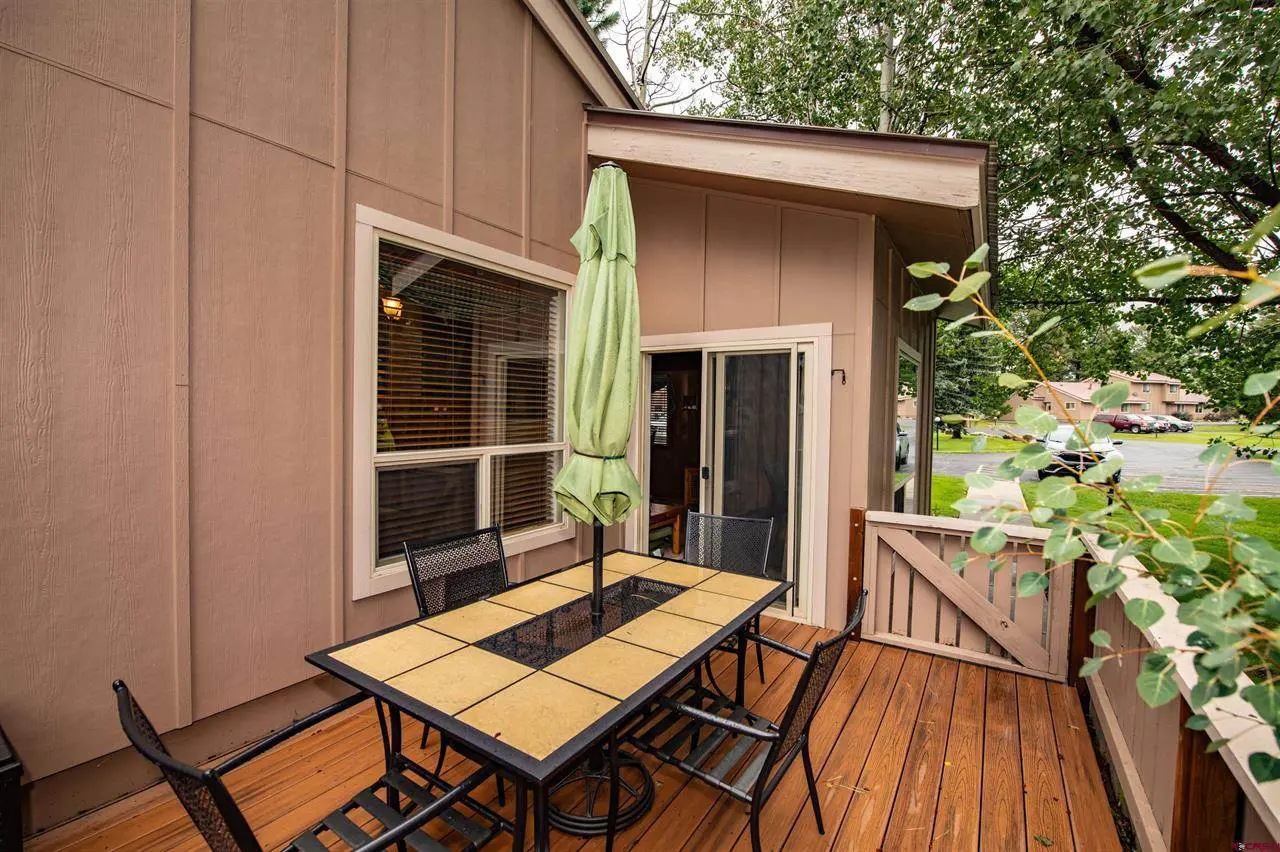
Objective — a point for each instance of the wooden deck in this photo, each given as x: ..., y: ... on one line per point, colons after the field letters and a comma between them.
x: 911, y: 752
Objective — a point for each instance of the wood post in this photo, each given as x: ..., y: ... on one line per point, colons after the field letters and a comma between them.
x: 1207, y: 800
x: 857, y: 549
x: 1082, y: 626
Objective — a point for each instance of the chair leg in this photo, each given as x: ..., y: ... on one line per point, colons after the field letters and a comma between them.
x: 614, y: 784
x: 756, y: 845
x: 813, y: 787
x: 426, y: 729
x: 444, y: 746
x: 502, y: 790
x: 541, y: 827
x: 759, y: 652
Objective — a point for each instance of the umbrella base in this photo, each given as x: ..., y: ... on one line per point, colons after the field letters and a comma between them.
x: 579, y: 802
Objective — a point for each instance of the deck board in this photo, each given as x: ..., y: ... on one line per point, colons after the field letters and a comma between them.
x: 910, y: 751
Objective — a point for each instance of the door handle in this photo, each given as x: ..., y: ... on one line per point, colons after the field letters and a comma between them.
x: 706, y: 473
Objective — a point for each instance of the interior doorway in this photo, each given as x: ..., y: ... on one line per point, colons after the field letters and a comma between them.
x: 731, y: 431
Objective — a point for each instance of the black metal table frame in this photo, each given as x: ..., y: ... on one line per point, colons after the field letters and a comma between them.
x: 524, y: 770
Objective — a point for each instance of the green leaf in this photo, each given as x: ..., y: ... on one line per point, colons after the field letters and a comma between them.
x: 1260, y: 231
x: 1215, y: 746
x: 1100, y: 637
x: 978, y: 257
x: 969, y: 285
x: 1032, y: 583
x: 1217, y: 454
x: 1110, y: 396
x: 979, y: 443
x: 1264, y: 767
x: 988, y: 540
x: 1102, y: 472
x: 1090, y: 666
x: 1034, y: 420
x: 1232, y: 507
x: 1033, y: 457
x: 959, y: 561
x: 1055, y: 493
x: 1143, y: 613
x: 1177, y: 550
x: 1103, y: 578
x: 1052, y: 322
x: 1159, y: 274
x: 927, y: 302
x: 1041, y: 514
x: 978, y: 480
x: 1261, y: 383
x: 1198, y: 722
x: 1157, y: 683
x: 1265, y: 698
x: 1042, y: 840
x: 1012, y: 380
x: 928, y: 269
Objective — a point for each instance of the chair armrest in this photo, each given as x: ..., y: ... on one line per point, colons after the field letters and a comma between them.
x: 718, y: 721
x: 778, y: 646
x: 241, y: 758
x: 430, y: 812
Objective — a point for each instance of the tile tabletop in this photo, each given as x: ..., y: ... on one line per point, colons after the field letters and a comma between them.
x: 389, y: 654
x: 475, y: 621
x: 537, y: 597
x: 579, y: 578
x: 665, y: 632
x: 629, y: 563
x: 706, y: 606
x: 738, y: 585
x: 456, y: 681
x: 679, y: 573
x: 538, y: 714
x: 612, y: 667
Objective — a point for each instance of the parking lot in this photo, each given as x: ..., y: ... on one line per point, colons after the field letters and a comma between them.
x: 1179, y: 464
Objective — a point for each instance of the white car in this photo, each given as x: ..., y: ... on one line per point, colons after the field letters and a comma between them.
x: 1073, y: 461
x: 902, y: 448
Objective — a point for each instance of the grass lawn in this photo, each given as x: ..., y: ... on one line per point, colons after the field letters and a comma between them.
x: 947, y: 490
x: 1202, y: 435
x: 948, y: 444
x: 1182, y: 508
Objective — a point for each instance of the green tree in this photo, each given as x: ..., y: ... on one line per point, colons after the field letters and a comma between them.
x: 600, y: 14
x: 1125, y: 128
x: 965, y: 376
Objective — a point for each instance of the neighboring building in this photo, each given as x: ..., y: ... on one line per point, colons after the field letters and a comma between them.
x: 1157, y: 394
x: 285, y: 287
x: 908, y: 407
x: 1065, y: 397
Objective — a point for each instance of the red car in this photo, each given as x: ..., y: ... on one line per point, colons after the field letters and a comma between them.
x: 1124, y: 422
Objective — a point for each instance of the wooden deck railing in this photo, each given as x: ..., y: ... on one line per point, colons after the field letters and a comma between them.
x: 1178, y: 796
x: 918, y: 600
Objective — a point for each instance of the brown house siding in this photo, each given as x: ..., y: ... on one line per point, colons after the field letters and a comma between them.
x: 180, y: 221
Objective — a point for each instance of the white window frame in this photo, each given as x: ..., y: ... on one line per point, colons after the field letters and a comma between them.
x: 368, y: 577
x: 1070, y: 406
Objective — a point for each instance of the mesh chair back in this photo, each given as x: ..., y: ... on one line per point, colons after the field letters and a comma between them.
x: 202, y: 793
x: 738, y: 545
x: 814, y: 681
x: 456, y: 571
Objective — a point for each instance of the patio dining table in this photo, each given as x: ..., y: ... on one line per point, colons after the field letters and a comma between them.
x: 527, y: 680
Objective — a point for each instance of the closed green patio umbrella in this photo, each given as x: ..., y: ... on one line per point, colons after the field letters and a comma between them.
x: 602, y: 363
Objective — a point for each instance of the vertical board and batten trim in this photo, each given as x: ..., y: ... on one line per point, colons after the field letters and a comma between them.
x: 526, y: 140
x: 180, y: 253
x: 337, y: 394
x: 450, y: 102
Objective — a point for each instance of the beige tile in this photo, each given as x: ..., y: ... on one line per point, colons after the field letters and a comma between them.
x: 706, y: 606
x: 473, y: 622
x: 538, y: 714
x: 398, y: 651
x: 580, y: 578
x: 612, y: 667
x: 662, y: 631
x: 679, y: 573
x: 629, y: 563
x: 739, y: 586
x: 455, y: 681
x: 537, y: 597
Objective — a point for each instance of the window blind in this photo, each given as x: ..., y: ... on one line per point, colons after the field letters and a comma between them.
x: 467, y: 357
x: 427, y: 502
x: 521, y: 490
x: 659, y: 406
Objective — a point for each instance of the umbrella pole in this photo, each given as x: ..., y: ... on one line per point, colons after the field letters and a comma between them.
x: 597, y: 571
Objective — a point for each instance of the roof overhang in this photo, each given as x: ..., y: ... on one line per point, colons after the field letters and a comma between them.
x: 934, y: 196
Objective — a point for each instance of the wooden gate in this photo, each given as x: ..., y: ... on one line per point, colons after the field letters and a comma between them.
x: 918, y: 600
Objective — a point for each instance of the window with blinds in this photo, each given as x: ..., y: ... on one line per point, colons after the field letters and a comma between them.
x: 468, y: 389
x: 659, y: 406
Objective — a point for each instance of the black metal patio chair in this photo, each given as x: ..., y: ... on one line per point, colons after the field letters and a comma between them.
x: 736, y: 545
x: 452, y: 572
x: 688, y: 729
x: 223, y: 826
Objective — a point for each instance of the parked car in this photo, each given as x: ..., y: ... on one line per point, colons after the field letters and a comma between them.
x: 1174, y: 423
x: 903, y: 450
x: 1157, y: 425
x: 1124, y: 422
x: 1074, y: 462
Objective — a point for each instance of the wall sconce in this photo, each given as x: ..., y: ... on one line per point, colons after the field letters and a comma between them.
x: 392, y: 307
